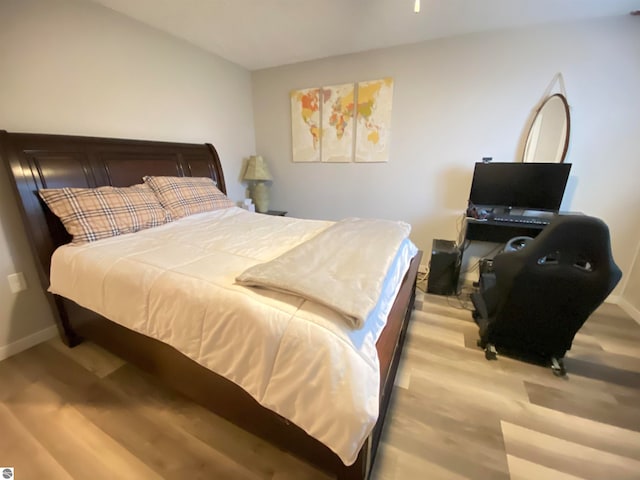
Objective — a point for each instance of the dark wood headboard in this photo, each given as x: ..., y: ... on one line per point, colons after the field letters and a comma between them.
x: 36, y: 161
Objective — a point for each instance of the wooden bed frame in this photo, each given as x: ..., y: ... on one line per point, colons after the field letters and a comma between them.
x: 52, y: 161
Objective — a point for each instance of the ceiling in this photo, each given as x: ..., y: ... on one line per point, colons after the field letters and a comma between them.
x: 259, y: 34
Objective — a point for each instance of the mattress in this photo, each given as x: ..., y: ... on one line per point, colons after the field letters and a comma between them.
x: 176, y: 283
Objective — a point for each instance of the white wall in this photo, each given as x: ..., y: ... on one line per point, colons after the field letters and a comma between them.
x: 630, y: 300
x: 457, y: 100
x: 72, y: 67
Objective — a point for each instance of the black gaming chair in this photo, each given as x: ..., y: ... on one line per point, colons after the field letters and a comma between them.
x: 538, y: 297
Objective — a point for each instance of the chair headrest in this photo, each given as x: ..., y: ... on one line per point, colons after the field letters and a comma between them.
x: 575, y: 239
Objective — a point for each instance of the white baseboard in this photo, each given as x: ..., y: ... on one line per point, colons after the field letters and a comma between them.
x: 630, y: 309
x: 27, y: 342
x: 614, y: 299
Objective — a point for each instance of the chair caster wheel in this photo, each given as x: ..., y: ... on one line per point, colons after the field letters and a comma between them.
x: 557, y: 367
x: 490, y: 352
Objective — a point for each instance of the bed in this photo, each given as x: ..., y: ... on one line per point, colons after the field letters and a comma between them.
x: 39, y: 161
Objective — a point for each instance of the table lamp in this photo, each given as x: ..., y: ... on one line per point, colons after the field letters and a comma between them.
x: 257, y: 173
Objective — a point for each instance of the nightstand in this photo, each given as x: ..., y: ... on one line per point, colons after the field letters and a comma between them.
x: 275, y: 213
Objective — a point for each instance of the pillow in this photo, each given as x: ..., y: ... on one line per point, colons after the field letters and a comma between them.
x: 183, y: 196
x: 91, y: 214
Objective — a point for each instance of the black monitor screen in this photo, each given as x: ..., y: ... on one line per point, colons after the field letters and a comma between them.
x: 534, y: 186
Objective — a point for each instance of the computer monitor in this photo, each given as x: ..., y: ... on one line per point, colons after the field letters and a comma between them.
x: 529, y: 186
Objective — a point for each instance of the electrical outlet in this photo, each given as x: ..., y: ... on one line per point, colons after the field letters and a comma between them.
x: 17, y: 282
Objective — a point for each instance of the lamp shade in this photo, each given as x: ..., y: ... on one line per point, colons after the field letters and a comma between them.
x: 257, y: 169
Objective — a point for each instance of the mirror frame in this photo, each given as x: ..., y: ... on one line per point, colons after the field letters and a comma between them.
x: 565, y: 147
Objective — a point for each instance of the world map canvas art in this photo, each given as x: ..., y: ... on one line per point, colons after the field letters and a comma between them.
x: 342, y: 123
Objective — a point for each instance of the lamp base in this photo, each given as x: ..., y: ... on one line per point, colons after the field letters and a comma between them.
x: 260, y: 196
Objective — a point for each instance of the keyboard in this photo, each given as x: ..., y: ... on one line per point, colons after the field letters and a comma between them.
x: 524, y: 219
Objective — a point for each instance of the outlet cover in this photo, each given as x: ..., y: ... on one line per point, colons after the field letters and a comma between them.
x: 17, y: 282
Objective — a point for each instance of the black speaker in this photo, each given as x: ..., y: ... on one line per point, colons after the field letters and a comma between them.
x: 444, y: 268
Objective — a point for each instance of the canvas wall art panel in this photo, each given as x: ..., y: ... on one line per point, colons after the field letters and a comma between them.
x: 373, y: 120
x: 338, y: 122
x: 305, y: 125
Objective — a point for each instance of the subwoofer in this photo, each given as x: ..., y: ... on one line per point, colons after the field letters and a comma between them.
x: 444, y: 268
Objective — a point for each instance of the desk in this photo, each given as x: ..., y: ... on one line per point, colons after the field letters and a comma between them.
x: 498, y: 232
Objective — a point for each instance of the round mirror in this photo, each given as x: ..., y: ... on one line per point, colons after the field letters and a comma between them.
x: 548, y: 137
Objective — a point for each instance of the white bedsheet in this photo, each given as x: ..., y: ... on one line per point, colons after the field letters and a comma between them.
x: 175, y: 283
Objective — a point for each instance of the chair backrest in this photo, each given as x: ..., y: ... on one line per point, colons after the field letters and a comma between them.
x: 548, y: 289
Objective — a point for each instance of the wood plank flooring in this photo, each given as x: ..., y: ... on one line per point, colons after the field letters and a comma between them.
x: 85, y: 414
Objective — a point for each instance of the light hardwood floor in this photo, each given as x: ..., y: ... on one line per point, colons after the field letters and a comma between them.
x: 84, y: 414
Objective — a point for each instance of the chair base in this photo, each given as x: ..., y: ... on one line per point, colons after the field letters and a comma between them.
x: 557, y: 367
x: 556, y: 363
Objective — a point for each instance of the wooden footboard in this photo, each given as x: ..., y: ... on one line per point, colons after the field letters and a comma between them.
x: 52, y: 161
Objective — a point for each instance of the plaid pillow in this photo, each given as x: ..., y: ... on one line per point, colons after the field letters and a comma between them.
x: 91, y: 214
x: 183, y: 196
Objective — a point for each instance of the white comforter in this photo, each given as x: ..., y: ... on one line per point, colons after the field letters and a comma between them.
x: 176, y: 283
